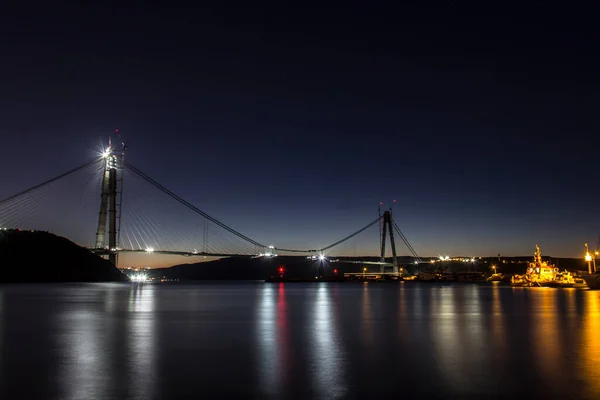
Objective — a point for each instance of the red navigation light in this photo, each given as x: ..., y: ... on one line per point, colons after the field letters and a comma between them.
x: 335, y: 271
x: 281, y: 270
x: 394, y: 201
x: 380, y: 203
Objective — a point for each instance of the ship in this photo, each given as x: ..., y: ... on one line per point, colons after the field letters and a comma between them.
x: 541, y: 273
x: 592, y: 280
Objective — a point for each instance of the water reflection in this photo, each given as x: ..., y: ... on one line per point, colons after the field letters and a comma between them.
x: 283, y: 336
x: 446, y: 335
x: 367, y: 322
x: 403, y: 327
x: 544, y: 340
x: 479, y: 341
x: 460, y: 338
x: 2, y: 323
x: 328, y: 353
x: 473, y: 323
x: 497, y: 322
x: 589, y: 352
x: 274, y: 353
x: 110, y: 300
x: 268, y: 367
x: 141, y: 340
x: 85, y: 364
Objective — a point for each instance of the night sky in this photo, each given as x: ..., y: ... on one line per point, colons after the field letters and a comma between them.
x: 291, y: 124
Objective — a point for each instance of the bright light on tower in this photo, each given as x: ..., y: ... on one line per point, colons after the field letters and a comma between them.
x: 149, y: 250
x: 588, y: 257
x: 322, y: 257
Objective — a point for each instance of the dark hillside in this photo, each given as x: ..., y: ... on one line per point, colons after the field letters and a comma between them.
x: 27, y: 256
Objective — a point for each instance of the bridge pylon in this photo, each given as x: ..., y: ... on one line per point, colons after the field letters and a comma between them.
x: 387, y: 225
x: 108, y: 203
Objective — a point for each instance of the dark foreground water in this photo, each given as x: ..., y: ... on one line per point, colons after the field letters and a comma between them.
x: 297, y: 341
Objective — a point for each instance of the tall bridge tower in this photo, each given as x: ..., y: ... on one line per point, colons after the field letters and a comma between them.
x: 387, y: 226
x: 108, y: 203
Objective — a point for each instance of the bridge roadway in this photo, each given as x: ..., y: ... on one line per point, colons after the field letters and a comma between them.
x: 204, y: 254
x: 168, y: 252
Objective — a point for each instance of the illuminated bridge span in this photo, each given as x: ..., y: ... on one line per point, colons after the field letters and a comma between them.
x: 148, y: 217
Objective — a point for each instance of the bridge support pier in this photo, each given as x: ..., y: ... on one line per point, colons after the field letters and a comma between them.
x: 387, y: 224
x: 108, y: 206
x: 112, y: 232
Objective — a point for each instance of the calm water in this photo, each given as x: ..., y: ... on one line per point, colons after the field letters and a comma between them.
x: 297, y: 341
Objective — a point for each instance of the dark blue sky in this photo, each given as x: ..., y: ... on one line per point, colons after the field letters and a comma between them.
x: 292, y: 123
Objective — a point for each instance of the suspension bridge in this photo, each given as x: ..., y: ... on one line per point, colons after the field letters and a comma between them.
x: 137, y: 214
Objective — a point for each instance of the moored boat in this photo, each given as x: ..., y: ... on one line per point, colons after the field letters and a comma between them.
x: 495, y: 278
x: 592, y: 280
x: 541, y: 273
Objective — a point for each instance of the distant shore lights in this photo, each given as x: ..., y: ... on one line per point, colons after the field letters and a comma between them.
x: 139, y: 277
x: 269, y: 253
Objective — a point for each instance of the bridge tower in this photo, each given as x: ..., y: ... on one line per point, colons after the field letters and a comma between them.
x: 108, y: 203
x: 387, y: 225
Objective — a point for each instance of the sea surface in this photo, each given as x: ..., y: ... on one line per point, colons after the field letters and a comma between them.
x: 254, y: 340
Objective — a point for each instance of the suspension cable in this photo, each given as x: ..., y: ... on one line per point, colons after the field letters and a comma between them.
x: 50, y: 180
x: 405, y: 240
x: 231, y: 230
x: 189, y: 205
x: 351, y: 236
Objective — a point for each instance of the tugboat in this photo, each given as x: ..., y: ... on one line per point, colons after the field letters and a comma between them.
x: 495, y: 277
x: 540, y: 273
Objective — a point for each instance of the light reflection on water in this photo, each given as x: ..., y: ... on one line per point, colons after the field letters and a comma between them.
x: 283, y: 337
x: 297, y: 341
x: 141, y: 340
x: 446, y: 335
x: 328, y: 350
x: 84, y: 363
x: 268, y: 363
x: 544, y: 338
x: 2, y: 373
x: 496, y: 319
x: 366, y: 312
x: 589, y: 352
